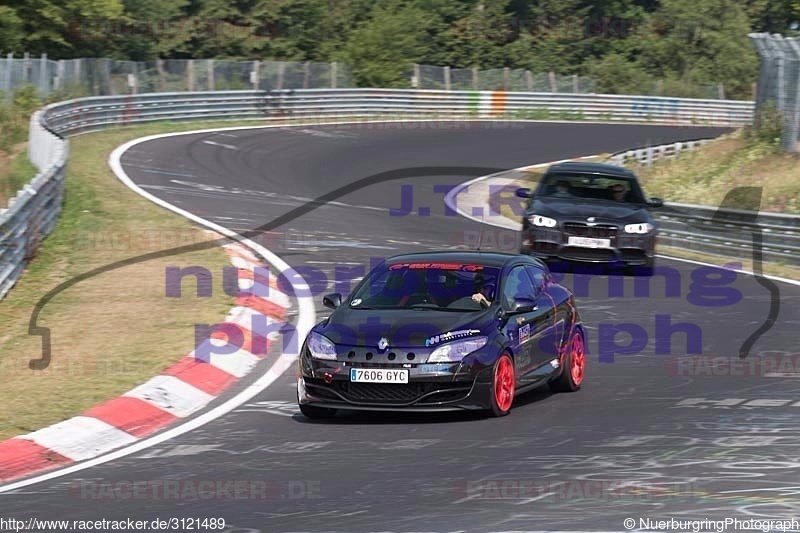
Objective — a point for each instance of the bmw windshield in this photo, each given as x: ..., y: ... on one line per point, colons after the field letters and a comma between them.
x: 438, y: 286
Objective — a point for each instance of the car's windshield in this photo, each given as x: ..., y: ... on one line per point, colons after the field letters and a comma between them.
x: 428, y: 285
x: 589, y: 186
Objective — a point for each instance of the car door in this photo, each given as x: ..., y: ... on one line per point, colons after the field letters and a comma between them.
x: 524, y: 328
x: 548, y: 323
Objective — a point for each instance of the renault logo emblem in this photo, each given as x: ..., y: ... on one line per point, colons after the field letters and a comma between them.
x: 383, y: 343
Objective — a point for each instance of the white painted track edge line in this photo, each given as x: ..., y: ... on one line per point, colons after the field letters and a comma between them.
x: 305, y: 320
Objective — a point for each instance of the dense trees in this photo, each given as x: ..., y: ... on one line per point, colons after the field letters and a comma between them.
x: 622, y: 43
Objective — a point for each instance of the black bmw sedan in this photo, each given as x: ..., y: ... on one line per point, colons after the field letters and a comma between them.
x: 590, y: 212
x: 443, y: 331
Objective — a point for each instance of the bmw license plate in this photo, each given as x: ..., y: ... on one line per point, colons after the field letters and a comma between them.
x: 589, y: 242
x: 378, y: 375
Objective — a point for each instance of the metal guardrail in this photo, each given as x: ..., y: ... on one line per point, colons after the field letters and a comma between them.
x: 32, y: 214
x: 648, y: 155
x: 95, y: 113
x: 713, y: 229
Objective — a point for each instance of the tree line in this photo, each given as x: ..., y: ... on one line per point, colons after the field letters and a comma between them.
x: 624, y: 44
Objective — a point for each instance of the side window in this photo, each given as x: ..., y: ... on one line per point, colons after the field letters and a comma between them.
x: 538, y: 276
x: 517, y: 285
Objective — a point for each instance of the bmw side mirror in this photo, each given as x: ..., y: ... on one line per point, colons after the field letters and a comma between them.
x: 524, y: 192
x: 655, y: 202
x: 332, y: 300
x: 523, y: 305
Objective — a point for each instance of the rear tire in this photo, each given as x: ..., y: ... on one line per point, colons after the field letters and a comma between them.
x: 503, y: 383
x: 316, y: 413
x: 573, y: 365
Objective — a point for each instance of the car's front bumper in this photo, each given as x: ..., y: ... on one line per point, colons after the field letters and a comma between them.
x: 552, y: 244
x: 430, y: 387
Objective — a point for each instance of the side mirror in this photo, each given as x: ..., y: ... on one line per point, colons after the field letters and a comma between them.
x: 332, y: 300
x: 523, y: 305
x: 655, y: 202
x: 524, y: 192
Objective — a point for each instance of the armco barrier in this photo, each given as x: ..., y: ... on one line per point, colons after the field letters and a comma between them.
x: 717, y: 230
x: 31, y: 215
x: 33, y: 212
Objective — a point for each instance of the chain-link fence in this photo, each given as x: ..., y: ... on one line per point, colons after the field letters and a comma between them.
x: 778, y: 88
x: 100, y: 77
x: 498, y: 79
x: 519, y: 80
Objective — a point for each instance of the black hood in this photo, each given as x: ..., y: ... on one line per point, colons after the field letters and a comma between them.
x: 602, y: 210
x: 403, y: 328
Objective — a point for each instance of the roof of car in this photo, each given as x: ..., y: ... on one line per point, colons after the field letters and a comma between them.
x: 488, y: 258
x: 592, y: 168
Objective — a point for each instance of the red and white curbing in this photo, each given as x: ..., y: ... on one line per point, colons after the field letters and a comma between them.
x: 179, y: 391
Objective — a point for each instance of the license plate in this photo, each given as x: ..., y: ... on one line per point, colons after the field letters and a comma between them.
x: 589, y: 242
x: 378, y: 375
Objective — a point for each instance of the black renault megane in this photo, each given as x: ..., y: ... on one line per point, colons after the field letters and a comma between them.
x: 443, y: 331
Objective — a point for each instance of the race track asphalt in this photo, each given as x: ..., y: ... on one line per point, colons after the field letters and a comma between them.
x: 651, y: 434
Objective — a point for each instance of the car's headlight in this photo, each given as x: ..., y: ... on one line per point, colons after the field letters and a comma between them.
x: 539, y: 220
x: 645, y: 227
x: 456, y: 351
x: 321, y: 347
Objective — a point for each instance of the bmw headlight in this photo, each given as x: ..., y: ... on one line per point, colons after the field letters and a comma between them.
x: 645, y: 227
x: 321, y: 347
x: 539, y: 220
x: 457, y: 350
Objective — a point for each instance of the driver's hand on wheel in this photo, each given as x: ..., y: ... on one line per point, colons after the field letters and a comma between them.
x: 481, y: 299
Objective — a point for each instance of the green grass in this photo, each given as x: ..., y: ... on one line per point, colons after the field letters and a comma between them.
x: 113, y: 331
x: 706, y: 175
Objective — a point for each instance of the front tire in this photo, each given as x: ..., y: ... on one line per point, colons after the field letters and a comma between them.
x: 503, y: 383
x: 573, y: 365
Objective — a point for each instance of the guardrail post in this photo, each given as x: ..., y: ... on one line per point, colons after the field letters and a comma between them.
x: 162, y: 78
x: 254, y: 74
x: 553, y: 85
x: 43, y: 81
x: 574, y: 83
x: 26, y: 65
x: 210, y: 74
x: 334, y: 73
x: 7, y: 75
x: 415, y: 79
x: 306, y: 74
x: 474, y: 78
x: 107, y: 76
x: 281, y: 72
x: 58, y: 82
x: 446, y: 78
x: 529, y: 80
x: 506, y: 78
x: 190, y: 75
x: 721, y: 91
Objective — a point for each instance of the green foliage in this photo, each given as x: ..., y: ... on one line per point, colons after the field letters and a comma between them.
x: 11, y: 30
x: 382, y: 49
x: 669, y: 47
x: 767, y: 127
x: 15, y: 114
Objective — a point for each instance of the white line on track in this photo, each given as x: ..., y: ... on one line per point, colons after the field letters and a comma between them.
x: 306, y: 319
x: 306, y: 314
